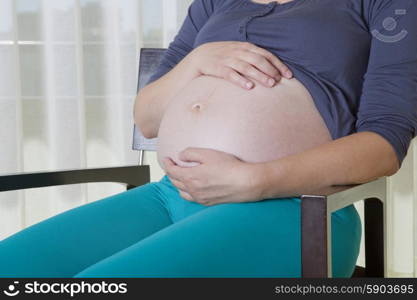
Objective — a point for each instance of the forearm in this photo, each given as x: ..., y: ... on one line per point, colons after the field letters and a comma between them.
x: 329, y: 168
x: 152, y: 100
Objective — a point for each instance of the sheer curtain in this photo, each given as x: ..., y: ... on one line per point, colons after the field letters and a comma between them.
x: 67, y: 85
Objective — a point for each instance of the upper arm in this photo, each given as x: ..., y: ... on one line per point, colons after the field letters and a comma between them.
x: 388, y: 104
x: 198, y: 14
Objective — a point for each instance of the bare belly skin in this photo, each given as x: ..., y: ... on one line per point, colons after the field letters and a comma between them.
x: 257, y: 125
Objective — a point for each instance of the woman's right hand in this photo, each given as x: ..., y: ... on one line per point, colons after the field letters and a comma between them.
x: 241, y: 63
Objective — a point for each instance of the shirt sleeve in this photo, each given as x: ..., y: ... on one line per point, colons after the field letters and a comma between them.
x: 198, y: 14
x: 388, y: 104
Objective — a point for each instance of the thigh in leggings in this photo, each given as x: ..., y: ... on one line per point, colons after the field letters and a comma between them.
x: 250, y: 239
x: 63, y: 245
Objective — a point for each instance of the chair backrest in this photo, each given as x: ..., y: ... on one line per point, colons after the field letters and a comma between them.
x: 149, y: 60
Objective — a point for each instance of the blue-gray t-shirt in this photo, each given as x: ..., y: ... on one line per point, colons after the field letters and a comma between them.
x: 357, y: 58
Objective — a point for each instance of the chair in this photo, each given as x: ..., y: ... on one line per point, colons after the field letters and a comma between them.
x: 315, y: 209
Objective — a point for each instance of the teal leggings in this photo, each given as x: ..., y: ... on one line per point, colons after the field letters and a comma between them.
x: 150, y: 231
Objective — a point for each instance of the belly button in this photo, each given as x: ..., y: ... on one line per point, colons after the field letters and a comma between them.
x: 196, y: 107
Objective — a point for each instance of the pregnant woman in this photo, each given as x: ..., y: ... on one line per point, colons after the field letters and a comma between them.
x: 254, y: 104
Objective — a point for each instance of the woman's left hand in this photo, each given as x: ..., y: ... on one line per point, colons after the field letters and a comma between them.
x: 219, y: 177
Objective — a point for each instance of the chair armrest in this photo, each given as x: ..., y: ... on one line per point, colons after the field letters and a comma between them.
x: 373, y: 189
x: 130, y: 175
x: 316, y: 212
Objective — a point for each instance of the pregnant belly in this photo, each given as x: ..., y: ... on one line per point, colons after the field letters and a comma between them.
x: 255, y: 125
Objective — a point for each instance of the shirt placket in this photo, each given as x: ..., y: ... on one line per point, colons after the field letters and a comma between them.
x: 244, y: 24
